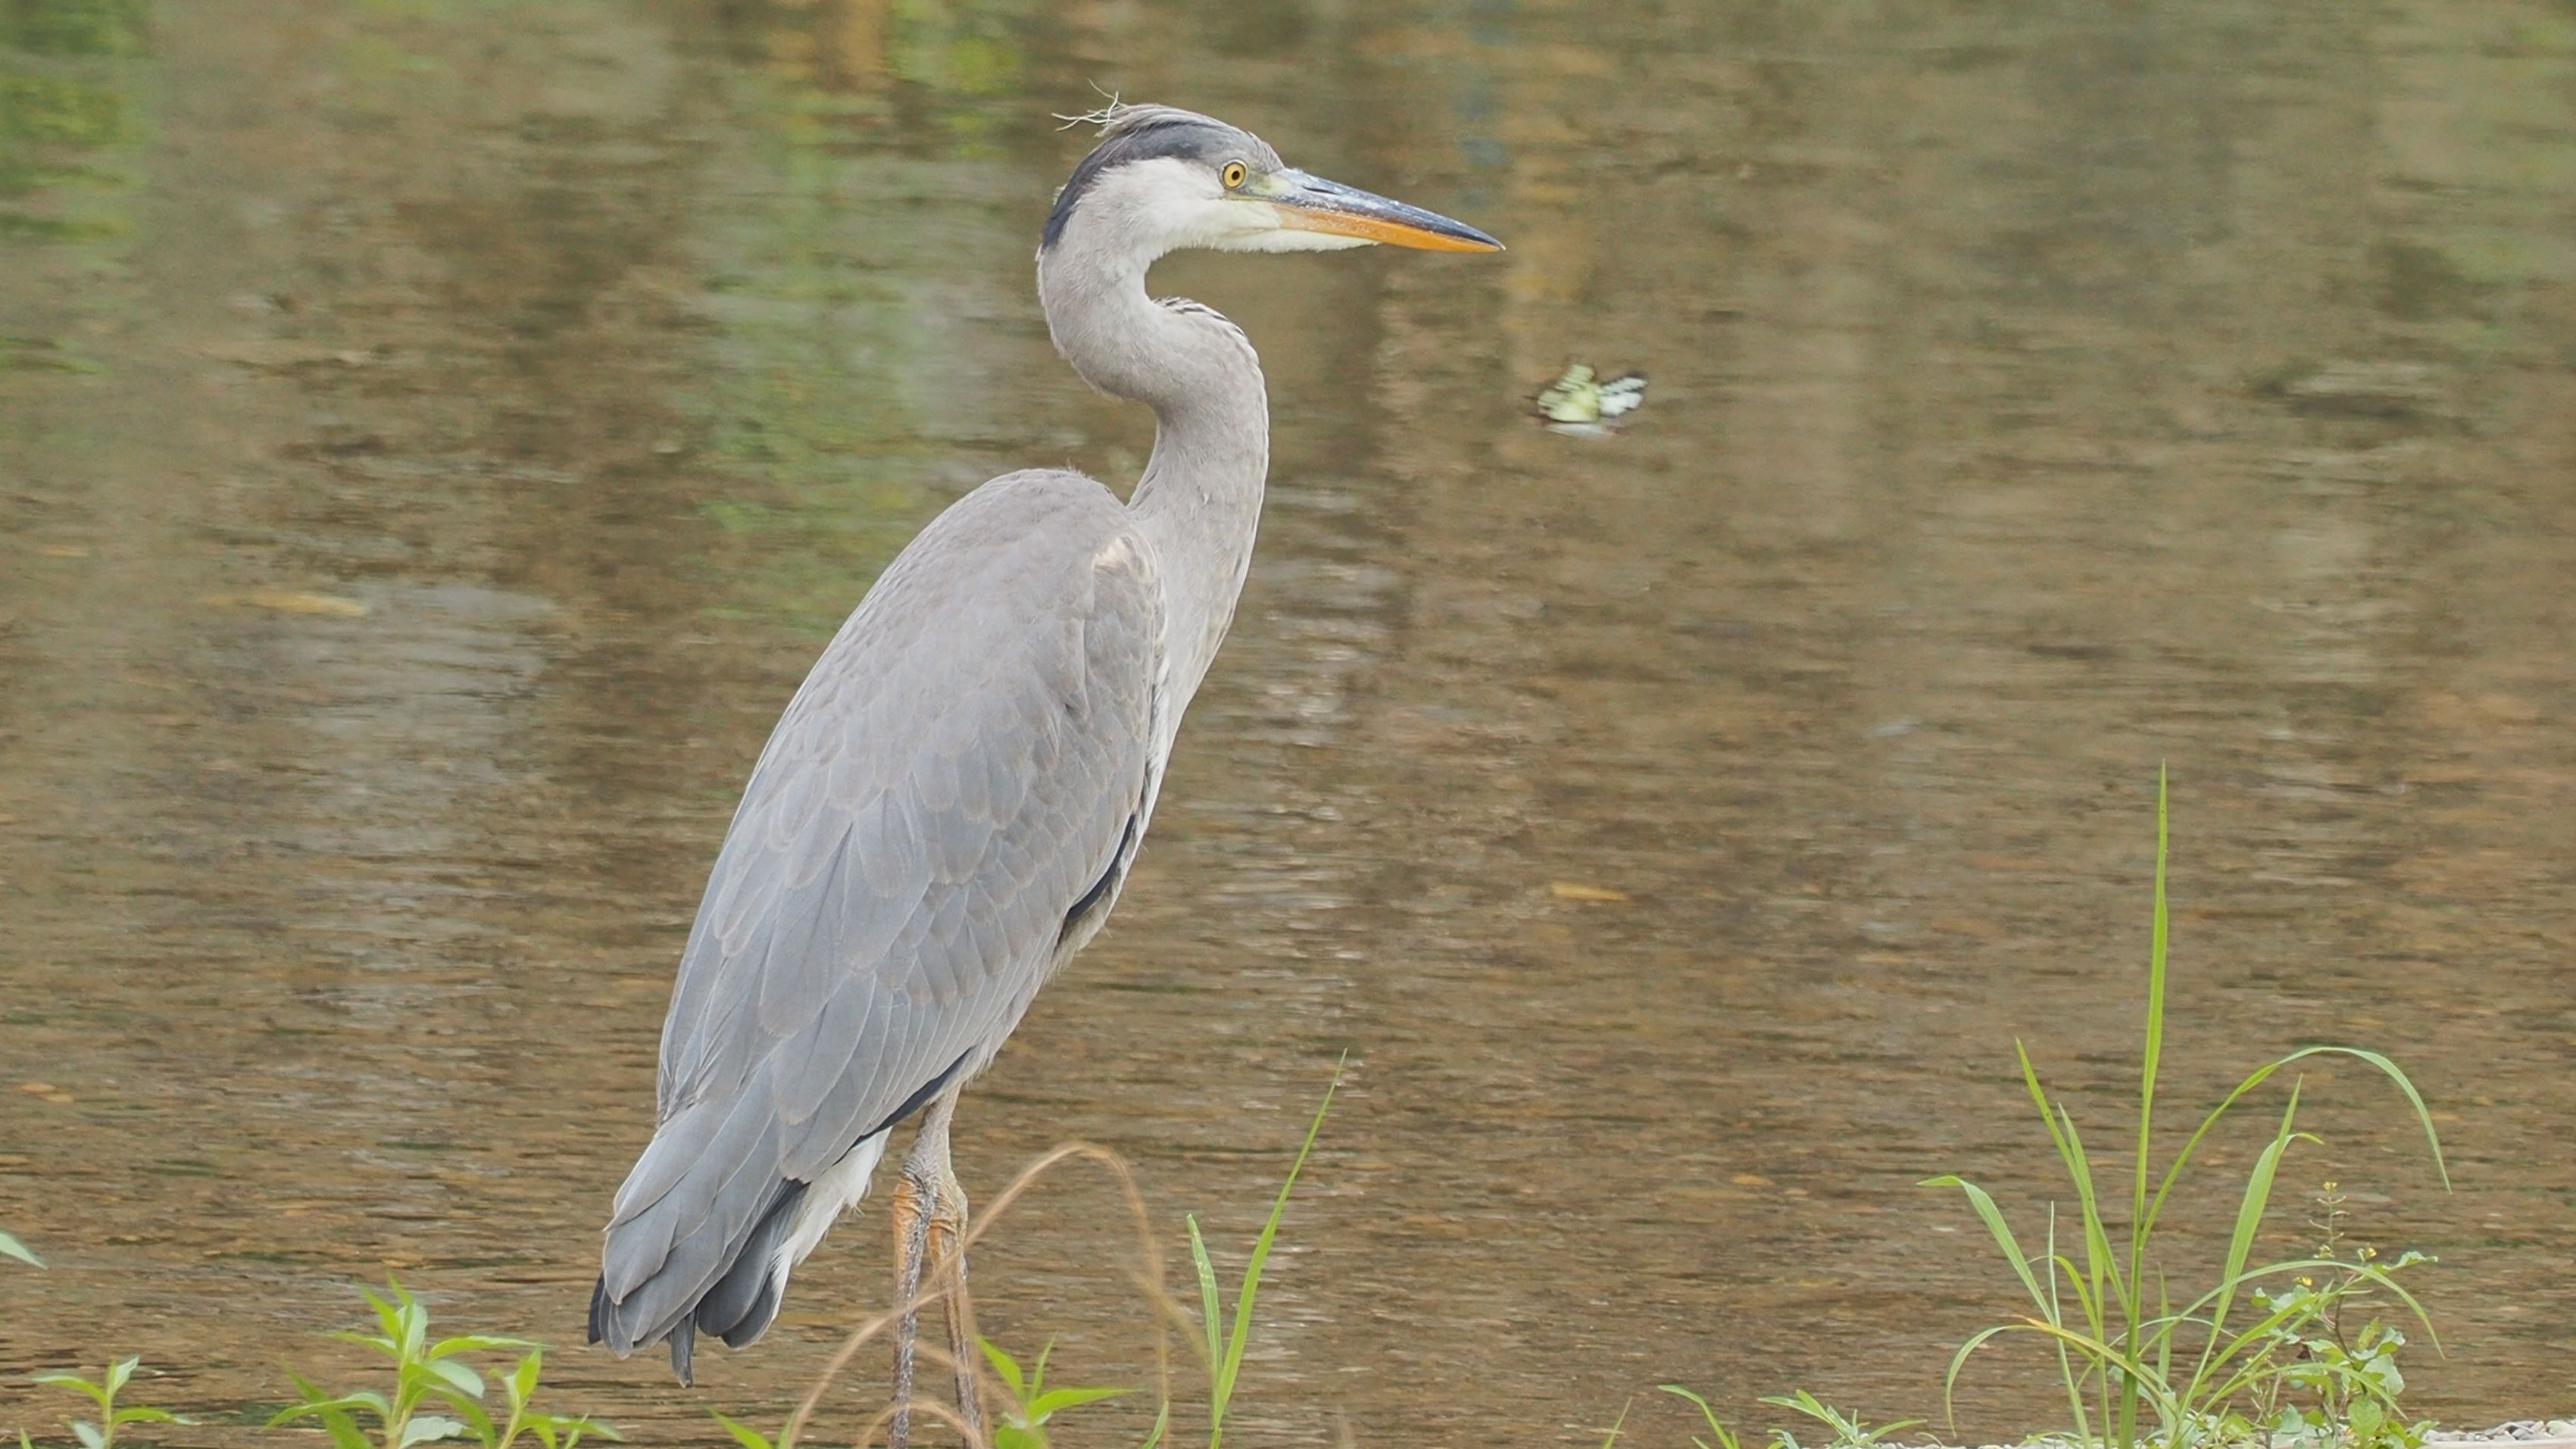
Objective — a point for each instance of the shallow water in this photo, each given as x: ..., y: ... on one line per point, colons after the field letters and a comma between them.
x: 435, y: 437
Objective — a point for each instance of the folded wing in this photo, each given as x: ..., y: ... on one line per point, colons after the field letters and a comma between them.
x: 959, y: 771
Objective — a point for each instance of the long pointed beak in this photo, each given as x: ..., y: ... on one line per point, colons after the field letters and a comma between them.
x: 1311, y: 203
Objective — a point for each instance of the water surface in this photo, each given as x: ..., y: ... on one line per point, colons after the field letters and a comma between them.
x: 435, y: 438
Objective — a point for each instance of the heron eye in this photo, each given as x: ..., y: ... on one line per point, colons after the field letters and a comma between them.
x: 1232, y: 175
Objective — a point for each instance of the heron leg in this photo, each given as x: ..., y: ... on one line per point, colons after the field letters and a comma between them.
x: 911, y: 1214
x: 948, y: 1260
x: 923, y: 1225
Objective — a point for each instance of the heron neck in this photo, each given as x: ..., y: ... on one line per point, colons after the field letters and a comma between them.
x: 1199, y: 501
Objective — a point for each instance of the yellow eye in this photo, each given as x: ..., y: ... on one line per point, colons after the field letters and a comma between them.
x: 1232, y: 175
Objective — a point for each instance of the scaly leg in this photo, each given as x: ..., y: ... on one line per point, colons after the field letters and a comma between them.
x: 948, y: 1260
x: 911, y: 1214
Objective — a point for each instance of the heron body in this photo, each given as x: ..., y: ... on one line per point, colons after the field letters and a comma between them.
x: 948, y: 808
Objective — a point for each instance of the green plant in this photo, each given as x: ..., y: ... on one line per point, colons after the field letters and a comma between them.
x: 1224, y: 1344
x: 1023, y: 1425
x: 1725, y: 1437
x: 2351, y: 1390
x: 2314, y: 1382
x: 1849, y: 1433
x: 10, y: 1247
x: 435, y: 1375
x: 100, y: 1433
x: 745, y: 1435
x: 1612, y: 1438
x: 2192, y: 1369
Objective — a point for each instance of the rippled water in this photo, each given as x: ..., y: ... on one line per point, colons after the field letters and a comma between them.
x: 436, y: 436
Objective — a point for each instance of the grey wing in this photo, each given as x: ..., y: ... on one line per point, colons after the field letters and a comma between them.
x: 964, y: 765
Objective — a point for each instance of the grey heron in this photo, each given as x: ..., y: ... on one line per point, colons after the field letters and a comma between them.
x: 948, y: 808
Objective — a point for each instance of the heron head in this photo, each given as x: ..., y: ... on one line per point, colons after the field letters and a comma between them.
x: 1162, y: 179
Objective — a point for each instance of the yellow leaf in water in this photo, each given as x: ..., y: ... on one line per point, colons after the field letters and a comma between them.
x: 62, y: 550
x: 1567, y: 890
x: 1750, y: 1179
x: 292, y: 601
x: 38, y: 1088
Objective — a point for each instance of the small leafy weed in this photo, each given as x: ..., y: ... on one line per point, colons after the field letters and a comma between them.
x: 436, y: 1394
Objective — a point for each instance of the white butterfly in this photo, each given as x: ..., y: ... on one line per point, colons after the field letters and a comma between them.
x: 1578, y: 402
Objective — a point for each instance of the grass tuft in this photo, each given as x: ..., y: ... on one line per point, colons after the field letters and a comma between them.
x: 2127, y: 1356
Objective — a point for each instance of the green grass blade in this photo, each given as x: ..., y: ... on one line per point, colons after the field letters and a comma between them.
x: 2101, y: 1265
x: 2377, y: 1277
x: 2256, y: 1078
x: 1725, y: 1437
x: 2087, y: 1311
x: 2249, y: 1220
x: 2155, y: 1388
x: 2165, y: 1326
x: 1241, y: 1332
x: 743, y: 1434
x: 2251, y: 1207
x: 2062, y: 1135
x: 1617, y: 1424
x: 2404, y: 1084
x: 1210, y: 1314
x: 2390, y: 1286
x: 2153, y: 1049
x: 2066, y: 1373
x: 1997, y: 1229
x: 1959, y: 1360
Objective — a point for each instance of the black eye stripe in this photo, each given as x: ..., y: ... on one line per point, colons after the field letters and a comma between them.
x: 1149, y: 133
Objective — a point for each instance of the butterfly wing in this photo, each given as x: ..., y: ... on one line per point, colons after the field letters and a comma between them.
x: 1573, y: 398
x: 1622, y: 395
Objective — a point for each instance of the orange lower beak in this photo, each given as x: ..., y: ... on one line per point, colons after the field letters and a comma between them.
x: 1310, y: 203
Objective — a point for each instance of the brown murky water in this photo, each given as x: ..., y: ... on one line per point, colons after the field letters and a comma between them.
x: 435, y: 437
